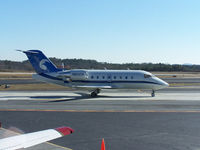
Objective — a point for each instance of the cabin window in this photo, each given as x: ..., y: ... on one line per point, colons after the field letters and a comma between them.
x: 126, y: 77
x: 108, y: 77
x: 97, y: 77
x: 120, y: 77
x: 103, y: 77
x: 114, y: 77
x: 92, y: 77
x: 147, y: 76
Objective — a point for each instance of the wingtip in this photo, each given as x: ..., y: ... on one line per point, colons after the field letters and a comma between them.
x: 65, y: 130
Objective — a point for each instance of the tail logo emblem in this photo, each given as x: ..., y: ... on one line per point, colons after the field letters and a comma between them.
x: 42, y: 64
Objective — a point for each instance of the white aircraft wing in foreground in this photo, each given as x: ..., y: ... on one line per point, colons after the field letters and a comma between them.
x: 32, y: 139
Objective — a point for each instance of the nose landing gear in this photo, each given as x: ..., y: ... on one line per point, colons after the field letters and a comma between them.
x: 153, y: 93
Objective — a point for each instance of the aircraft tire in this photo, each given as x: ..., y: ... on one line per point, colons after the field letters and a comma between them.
x: 93, y: 94
x: 153, y: 94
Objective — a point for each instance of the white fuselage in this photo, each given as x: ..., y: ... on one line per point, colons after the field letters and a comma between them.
x: 116, y: 79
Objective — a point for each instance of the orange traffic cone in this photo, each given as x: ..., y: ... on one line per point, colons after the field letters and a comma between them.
x: 103, y: 145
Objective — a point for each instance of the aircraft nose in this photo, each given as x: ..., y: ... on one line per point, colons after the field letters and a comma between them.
x: 165, y: 83
x: 161, y: 84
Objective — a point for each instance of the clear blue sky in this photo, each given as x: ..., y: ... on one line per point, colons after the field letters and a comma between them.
x: 121, y: 31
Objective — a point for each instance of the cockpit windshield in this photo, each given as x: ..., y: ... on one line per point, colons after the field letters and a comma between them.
x: 147, y: 76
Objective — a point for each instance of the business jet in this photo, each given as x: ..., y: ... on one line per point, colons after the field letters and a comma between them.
x: 32, y: 139
x: 92, y: 80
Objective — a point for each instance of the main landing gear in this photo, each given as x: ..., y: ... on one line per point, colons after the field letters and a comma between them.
x: 153, y: 93
x: 95, y: 93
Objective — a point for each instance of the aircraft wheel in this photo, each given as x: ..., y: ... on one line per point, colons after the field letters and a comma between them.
x: 93, y: 94
x: 98, y: 91
x: 153, y: 93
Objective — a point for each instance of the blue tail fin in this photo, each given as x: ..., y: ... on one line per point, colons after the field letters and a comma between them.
x: 40, y: 62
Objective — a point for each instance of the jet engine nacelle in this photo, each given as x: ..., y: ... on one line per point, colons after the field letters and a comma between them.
x: 79, y: 75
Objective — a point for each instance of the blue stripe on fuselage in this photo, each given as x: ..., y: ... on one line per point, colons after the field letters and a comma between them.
x: 95, y: 81
x: 89, y: 81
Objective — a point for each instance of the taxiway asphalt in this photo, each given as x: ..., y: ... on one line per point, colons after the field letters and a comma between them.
x: 125, y: 119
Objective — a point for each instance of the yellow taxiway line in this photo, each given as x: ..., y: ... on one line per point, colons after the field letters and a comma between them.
x: 58, y: 146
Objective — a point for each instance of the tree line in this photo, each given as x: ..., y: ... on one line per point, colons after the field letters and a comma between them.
x: 12, y: 66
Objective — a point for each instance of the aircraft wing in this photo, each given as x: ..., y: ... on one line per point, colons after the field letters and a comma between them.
x: 93, y: 86
x: 35, y: 138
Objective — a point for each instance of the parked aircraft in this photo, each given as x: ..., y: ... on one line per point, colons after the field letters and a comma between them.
x: 32, y: 139
x: 93, y: 80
